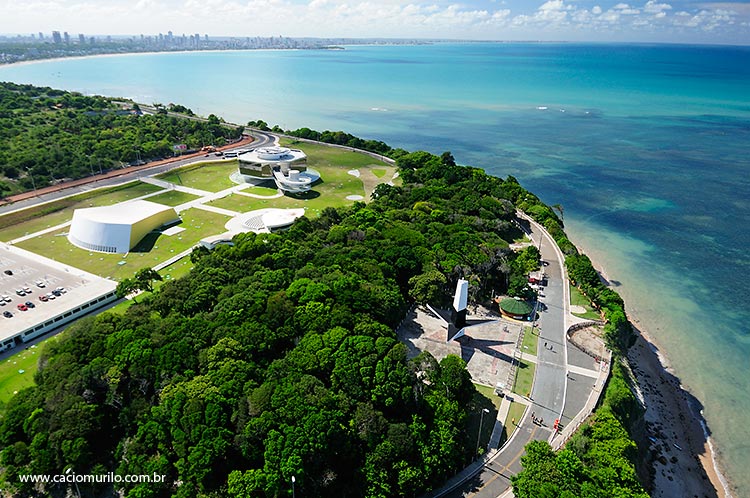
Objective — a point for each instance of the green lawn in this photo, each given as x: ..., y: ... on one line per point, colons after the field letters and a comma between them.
x: 489, y: 393
x: 173, y: 198
x: 11, y: 380
x: 265, y: 191
x: 152, y: 250
x: 524, y: 378
x: 243, y: 203
x: 484, y: 398
x: 515, y: 412
x: 379, y: 172
x: 212, y: 176
x: 44, y: 216
x: 530, y: 340
x: 578, y: 299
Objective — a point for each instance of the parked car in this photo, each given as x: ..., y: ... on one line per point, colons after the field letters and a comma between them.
x: 61, y: 289
x: 22, y: 307
x: 43, y: 298
x: 50, y: 296
x: 20, y: 292
x: 6, y: 298
x: 57, y: 293
x: 29, y: 304
x: 8, y: 272
x: 7, y: 314
x: 40, y: 283
x: 27, y: 290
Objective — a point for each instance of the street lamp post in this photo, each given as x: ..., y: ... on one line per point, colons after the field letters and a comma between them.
x: 293, y: 480
x: 481, y: 418
x: 33, y: 183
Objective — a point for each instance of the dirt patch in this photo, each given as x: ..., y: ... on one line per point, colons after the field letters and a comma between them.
x: 589, y: 340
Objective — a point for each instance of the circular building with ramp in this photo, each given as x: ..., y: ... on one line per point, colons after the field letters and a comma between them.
x: 286, y: 167
x: 118, y: 228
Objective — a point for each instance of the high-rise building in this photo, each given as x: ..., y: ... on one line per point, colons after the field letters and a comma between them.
x: 41, y: 35
x: 56, y: 37
x: 81, y: 38
x: 66, y: 36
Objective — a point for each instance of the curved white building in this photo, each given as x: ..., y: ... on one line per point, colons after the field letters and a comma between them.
x: 118, y: 228
x: 286, y: 167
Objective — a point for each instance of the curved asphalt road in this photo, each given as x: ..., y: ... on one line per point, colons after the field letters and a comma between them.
x: 548, y: 393
x: 261, y: 139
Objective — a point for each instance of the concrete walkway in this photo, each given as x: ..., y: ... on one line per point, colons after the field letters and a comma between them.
x: 217, y: 210
x: 40, y: 232
x: 173, y: 186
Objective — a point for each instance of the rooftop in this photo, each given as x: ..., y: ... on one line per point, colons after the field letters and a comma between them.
x: 126, y: 213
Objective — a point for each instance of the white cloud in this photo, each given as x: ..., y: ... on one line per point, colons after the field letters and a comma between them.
x: 653, y: 7
x: 492, y: 19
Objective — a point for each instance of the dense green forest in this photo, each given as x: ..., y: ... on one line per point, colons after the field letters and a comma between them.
x: 277, y: 357
x: 49, y: 135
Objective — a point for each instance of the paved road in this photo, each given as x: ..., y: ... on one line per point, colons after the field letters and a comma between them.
x: 548, y: 393
x: 260, y: 139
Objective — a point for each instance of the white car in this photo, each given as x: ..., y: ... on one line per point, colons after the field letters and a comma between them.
x: 50, y: 296
x: 61, y: 290
x: 5, y: 298
x: 40, y: 283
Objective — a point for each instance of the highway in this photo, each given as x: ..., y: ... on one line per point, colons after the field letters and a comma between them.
x: 260, y: 139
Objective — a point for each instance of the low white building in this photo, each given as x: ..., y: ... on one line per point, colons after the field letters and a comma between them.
x: 118, y: 228
x: 286, y: 167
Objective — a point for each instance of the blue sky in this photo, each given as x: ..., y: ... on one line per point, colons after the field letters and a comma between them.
x: 671, y: 21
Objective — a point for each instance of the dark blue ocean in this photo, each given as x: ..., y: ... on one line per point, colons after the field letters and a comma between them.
x: 646, y: 147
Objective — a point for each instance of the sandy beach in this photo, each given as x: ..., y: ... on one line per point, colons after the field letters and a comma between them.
x: 685, y: 462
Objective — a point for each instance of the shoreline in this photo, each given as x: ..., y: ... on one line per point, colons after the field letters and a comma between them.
x: 120, y: 54
x: 652, y: 369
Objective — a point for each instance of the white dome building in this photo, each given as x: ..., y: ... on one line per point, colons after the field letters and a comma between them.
x: 286, y: 167
x: 118, y: 228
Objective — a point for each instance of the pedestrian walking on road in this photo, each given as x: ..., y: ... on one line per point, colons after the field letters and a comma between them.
x: 545, y: 345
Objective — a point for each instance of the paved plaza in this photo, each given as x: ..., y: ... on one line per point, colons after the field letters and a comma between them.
x: 487, y: 346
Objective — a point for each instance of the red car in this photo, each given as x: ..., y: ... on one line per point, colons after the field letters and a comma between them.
x: 43, y: 298
x: 22, y: 307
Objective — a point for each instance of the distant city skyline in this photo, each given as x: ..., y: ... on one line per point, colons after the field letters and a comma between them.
x: 678, y: 21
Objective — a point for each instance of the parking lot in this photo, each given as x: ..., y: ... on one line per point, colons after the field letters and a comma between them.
x: 21, y: 270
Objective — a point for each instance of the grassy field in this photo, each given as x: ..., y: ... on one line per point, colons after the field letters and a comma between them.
x: 243, y: 203
x: 152, y: 250
x: 515, y: 412
x: 44, y: 216
x: 485, y: 398
x: 212, y: 176
x: 173, y: 198
x: 530, y: 340
x: 258, y: 190
x: 578, y: 299
x: 11, y: 378
x: 524, y: 378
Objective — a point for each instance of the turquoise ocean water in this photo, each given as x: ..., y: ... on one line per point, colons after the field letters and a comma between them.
x: 647, y: 148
